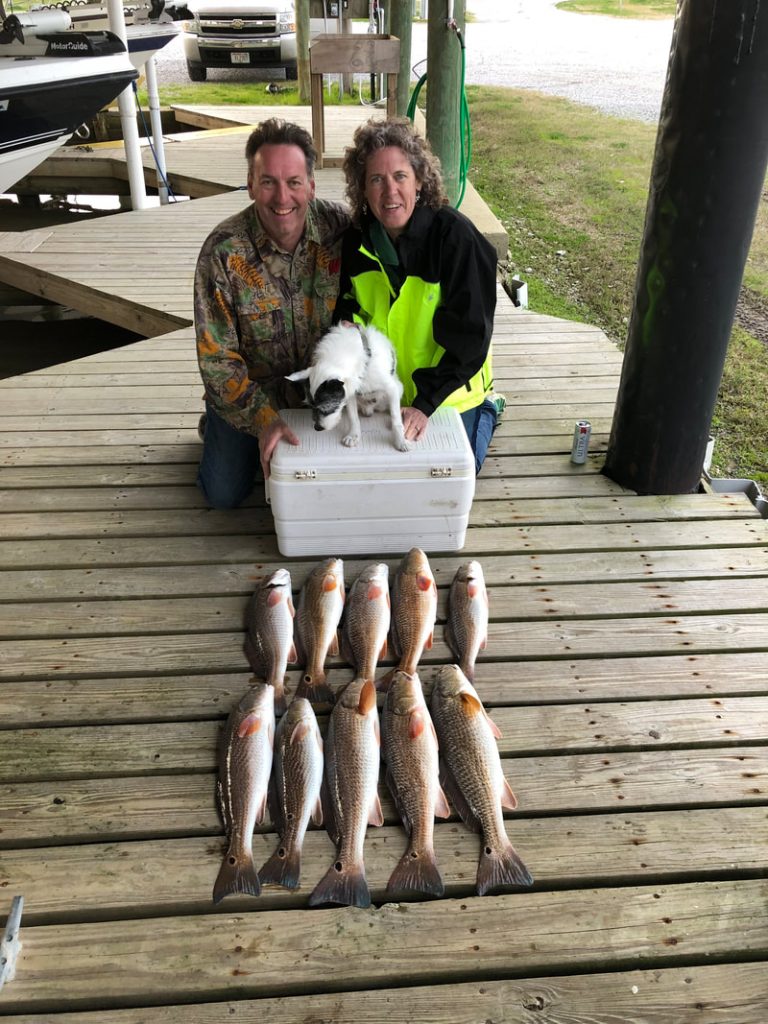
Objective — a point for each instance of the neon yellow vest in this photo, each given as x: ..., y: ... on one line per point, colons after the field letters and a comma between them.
x: 406, y: 319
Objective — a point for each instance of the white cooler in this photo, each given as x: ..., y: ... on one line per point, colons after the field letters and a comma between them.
x: 371, y: 500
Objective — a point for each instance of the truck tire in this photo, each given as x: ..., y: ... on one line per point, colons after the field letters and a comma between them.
x: 291, y: 73
x: 196, y: 72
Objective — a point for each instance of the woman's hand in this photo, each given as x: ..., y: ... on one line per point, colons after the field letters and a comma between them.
x: 414, y: 423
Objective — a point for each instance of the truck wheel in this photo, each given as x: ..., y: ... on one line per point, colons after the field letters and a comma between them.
x: 196, y: 72
x: 291, y: 73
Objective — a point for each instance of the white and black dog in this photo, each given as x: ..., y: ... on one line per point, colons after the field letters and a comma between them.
x: 353, y: 369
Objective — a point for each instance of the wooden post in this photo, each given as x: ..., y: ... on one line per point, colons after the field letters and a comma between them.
x: 400, y: 25
x: 357, y: 53
x: 708, y: 173
x: 443, y: 95
x: 302, y: 49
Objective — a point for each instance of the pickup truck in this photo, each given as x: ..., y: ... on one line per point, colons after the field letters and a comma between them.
x: 240, y: 34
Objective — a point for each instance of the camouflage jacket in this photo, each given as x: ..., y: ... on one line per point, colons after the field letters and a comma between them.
x: 259, y: 310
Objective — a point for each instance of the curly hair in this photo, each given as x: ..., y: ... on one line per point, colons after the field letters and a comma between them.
x: 396, y: 131
x: 275, y: 132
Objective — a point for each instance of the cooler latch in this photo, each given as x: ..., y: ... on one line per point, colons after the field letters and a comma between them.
x: 305, y: 474
x: 441, y: 471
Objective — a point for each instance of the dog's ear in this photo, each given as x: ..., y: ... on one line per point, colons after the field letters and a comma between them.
x: 330, y: 393
x: 298, y: 375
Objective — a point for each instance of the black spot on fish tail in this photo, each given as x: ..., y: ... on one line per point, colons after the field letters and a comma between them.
x: 315, y: 693
x: 500, y: 868
x: 417, y: 871
x: 282, y: 868
x: 236, y: 876
x: 342, y: 885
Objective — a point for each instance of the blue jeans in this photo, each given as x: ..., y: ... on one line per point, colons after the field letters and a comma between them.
x: 230, y: 463
x: 480, y: 424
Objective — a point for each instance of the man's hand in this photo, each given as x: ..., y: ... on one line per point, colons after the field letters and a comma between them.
x: 414, y: 423
x: 276, y: 431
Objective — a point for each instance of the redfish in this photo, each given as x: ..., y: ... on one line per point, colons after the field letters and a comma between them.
x: 414, y: 609
x: 351, y: 799
x: 245, y: 763
x: 473, y: 778
x: 269, y: 642
x: 321, y: 603
x: 294, y: 794
x: 366, y: 620
x: 409, y: 747
x: 466, y: 629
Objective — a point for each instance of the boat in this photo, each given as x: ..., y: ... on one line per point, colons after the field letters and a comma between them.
x: 148, y: 26
x: 52, y: 80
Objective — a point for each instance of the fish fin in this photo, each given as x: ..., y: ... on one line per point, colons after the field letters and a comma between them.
x: 471, y: 704
x: 329, y: 818
x: 442, y: 808
x: 508, y: 798
x: 375, y: 815
x: 291, y: 606
x: 469, y: 671
x: 383, y: 651
x: 261, y: 810
x: 282, y: 868
x: 293, y: 657
x: 394, y: 639
x: 300, y: 730
x: 494, y: 728
x: 500, y: 868
x: 344, y: 885
x: 430, y: 640
x: 317, y: 813
x: 384, y: 683
x: 416, y: 724
x: 367, y: 699
x: 222, y: 804
x: 316, y: 692
x: 454, y: 794
x: 417, y: 871
x: 484, y: 642
x: 334, y: 645
x: 236, y: 876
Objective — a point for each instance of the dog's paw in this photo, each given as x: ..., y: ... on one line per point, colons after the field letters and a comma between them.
x: 402, y: 446
x: 351, y: 440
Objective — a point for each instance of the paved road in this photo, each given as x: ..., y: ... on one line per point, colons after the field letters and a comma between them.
x: 616, y: 65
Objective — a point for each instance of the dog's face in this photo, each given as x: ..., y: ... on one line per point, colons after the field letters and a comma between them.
x: 326, y: 398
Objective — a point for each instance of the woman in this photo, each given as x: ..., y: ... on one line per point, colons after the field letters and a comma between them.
x: 421, y: 272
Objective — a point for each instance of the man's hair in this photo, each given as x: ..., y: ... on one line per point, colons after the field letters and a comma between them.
x: 275, y: 132
x: 396, y: 131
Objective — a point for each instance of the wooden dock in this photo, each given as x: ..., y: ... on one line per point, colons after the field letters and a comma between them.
x: 627, y: 668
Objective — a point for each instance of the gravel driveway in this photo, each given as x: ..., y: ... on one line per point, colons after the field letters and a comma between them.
x: 617, y: 65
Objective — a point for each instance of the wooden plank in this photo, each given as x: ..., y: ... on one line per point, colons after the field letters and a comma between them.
x: 528, y: 540
x: 76, y: 656
x: 30, y: 755
x: 732, y: 992
x: 173, y: 805
x: 75, y: 966
x: 146, y: 616
x: 62, y: 702
x: 97, y: 881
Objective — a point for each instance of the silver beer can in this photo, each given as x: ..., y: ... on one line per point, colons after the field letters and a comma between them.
x: 581, y: 435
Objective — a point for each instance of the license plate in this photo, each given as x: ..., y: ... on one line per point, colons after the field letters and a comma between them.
x: 240, y: 58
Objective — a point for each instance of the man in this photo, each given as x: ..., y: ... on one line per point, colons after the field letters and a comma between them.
x: 265, y: 289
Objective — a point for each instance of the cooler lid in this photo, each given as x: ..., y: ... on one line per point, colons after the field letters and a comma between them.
x: 443, y: 453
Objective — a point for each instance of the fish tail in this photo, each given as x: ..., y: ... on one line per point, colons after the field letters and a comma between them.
x: 342, y: 885
x: 417, y: 872
x: 280, y: 704
x: 500, y: 867
x: 237, y: 874
x: 315, y: 692
x: 283, y: 867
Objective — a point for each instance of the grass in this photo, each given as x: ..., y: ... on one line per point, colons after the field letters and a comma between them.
x: 570, y: 185
x: 622, y: 8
